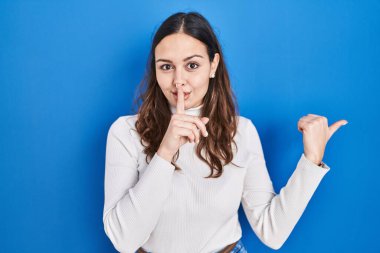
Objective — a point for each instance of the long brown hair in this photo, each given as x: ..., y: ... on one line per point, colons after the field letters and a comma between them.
x: 219, y: 103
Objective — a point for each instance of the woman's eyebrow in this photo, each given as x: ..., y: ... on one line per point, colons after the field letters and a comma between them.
x: 187, y: 58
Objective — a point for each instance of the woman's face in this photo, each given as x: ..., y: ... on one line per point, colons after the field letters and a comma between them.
x: 183, y: 59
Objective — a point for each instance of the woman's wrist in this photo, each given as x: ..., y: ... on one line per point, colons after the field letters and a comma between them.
x: 164, y: 154
x: 316, y: 162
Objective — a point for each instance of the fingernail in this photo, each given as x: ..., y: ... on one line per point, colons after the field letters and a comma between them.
x: 345, y: 123
x: 206, y: 134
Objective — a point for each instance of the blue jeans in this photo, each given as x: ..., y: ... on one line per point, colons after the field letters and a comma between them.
x: 239, y: 248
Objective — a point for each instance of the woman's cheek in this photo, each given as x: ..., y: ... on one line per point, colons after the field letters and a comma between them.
x: 163, y: 83
x: 197, y: 81
x: 201, y: 84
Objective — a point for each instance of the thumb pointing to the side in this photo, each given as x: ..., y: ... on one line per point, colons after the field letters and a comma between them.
x: 334, y: 127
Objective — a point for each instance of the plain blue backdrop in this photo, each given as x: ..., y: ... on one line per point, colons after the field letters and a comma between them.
x: 68, y: 69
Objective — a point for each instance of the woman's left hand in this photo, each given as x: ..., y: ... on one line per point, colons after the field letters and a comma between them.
x: 316, y: 134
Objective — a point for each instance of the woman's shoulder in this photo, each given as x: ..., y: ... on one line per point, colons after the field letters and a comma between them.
x: 243, y: 123
x: 246, y: 129
x: 124, y: 124
x: 124, y: 121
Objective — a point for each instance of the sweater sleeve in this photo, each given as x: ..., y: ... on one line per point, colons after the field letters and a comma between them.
x: 132, y: 204
x: 273, y: 216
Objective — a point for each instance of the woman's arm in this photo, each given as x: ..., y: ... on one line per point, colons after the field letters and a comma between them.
x: 273, y: 216
x: 132, y: 205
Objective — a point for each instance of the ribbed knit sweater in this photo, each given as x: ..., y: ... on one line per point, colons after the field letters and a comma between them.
x: 166, y: 211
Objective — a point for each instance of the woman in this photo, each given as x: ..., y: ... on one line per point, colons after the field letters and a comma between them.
x: 177, y: 171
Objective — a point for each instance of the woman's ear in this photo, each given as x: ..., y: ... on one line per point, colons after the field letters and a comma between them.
x: 214, y: 64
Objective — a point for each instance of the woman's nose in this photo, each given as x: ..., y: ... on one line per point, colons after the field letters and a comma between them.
x: 179, y: 76
x: 178, y: 84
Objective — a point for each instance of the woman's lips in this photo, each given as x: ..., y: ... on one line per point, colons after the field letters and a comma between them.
x: 186, y: 94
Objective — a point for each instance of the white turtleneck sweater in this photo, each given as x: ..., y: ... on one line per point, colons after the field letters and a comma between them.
x: 167, y: 211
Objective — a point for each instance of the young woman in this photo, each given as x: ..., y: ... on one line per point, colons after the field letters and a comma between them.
x: 177, y: 171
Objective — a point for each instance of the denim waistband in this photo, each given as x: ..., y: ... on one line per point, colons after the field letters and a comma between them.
x: 239, y: 248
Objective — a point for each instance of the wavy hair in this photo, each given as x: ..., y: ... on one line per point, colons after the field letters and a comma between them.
x: 219, y: 102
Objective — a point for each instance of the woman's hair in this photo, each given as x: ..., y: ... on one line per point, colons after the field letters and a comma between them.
x: 154, y: 114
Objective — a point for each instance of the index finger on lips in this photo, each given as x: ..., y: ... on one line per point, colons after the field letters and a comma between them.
x: 180, y: 101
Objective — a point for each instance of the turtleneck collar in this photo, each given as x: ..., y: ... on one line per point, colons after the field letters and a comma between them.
x: 195, y: 111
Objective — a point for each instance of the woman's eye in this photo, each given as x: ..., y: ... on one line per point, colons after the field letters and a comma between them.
x: 192, y: 64
x: 163, y: 67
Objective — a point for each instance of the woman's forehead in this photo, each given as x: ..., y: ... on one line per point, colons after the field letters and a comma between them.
x: 179, y: 46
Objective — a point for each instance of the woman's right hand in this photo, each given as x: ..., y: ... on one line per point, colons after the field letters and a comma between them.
x: 182, y: 128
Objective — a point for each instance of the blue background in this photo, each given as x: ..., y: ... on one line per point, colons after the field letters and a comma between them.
x: 68, y: 69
